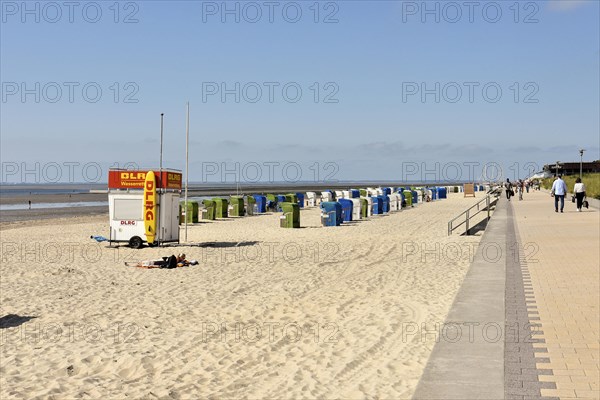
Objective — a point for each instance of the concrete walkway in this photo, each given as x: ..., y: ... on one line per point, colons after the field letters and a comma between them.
x: 472, y: 366
x: 536, y: 280
x: 561, y: 252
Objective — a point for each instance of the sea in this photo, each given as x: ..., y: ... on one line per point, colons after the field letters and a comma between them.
x: 196, y: 191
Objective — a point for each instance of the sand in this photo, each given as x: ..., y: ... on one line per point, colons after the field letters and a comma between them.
x: 269, y: 312
x: 18, y: 217
x: 53, y: 198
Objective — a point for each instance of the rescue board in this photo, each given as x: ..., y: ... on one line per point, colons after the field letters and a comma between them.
x: 150, y: 217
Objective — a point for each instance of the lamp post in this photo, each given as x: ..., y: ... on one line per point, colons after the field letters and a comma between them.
x: 556, y: 166
x: 581, y: 163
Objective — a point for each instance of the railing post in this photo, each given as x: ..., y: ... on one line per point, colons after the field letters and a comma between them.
x: 487, y: 201
x: 467, y: 222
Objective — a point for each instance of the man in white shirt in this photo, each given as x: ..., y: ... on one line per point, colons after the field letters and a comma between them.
x: 559, y: 190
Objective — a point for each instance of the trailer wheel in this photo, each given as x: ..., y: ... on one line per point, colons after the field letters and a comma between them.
x: 136, y: 242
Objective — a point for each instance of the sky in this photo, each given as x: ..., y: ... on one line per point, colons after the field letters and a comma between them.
x: 298, y: 91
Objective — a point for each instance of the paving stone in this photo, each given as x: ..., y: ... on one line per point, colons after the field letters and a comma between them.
x: 564, y: 289
x: 549, y: 310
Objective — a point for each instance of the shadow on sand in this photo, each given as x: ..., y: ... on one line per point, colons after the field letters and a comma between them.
x: 479, y: 227
x: 13, y: 320
x: 227, y: 244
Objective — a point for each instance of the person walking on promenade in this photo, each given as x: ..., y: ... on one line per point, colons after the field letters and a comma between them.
x: 579, y: 191
x: 527, y: 184
x: 520, y: 189
x: 508, y: 187
x: 559, y: 190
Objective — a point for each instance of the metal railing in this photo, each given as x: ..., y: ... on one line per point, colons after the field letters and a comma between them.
x: 468, y: 213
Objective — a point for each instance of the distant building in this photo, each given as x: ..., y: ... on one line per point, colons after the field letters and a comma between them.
x: 541, y: 175
x: 572, y: 168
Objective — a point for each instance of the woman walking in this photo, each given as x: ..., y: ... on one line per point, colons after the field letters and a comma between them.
x: 579, y: 191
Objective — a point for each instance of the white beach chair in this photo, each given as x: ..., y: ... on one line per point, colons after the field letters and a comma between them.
x: 355, y: 209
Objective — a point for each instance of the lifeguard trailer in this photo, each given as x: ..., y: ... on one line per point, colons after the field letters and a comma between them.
x: 143, y: 206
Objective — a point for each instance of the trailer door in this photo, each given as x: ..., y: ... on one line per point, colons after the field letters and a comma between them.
x: 169, y: 217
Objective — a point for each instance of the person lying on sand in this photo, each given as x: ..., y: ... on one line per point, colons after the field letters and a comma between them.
x: 146, y: 264
x: 166, y: 262
x: 182, y: 262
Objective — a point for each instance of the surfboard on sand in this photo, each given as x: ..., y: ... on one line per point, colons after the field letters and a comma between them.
x: 150, y: 217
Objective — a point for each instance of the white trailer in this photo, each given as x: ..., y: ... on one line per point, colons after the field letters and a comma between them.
x: 126, y: 213
x: 131, y: 208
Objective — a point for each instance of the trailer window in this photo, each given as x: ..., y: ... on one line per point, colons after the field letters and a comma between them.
x: 128, y: 209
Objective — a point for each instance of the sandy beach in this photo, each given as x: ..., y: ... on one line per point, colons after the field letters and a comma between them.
x: 34, y: 216
x: 268, y: 312
x: 54, y: 198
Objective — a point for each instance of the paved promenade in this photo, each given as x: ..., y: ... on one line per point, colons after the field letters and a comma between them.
x: 561, y: 253
x: 543, y: 288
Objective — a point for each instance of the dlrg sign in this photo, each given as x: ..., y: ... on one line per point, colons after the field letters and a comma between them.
x: 134, y: 179
x: 133, y: 175
x: 149, y: 202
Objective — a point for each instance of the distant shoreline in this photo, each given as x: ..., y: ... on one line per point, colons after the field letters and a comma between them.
x: 193, y: 191
x: 47, y: 193
x: 13, y: 193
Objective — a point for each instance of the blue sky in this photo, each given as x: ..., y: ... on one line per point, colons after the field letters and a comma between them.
x: 364, y: 120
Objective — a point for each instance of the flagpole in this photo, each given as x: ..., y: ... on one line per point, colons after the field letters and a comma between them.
x: 162, y: 115
x: 158, y: 191
x: 187, y: 141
